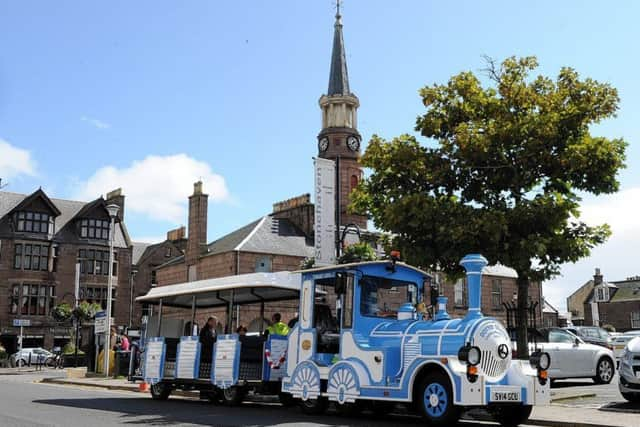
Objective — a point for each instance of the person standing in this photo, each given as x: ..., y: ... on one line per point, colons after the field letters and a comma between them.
x: 207, y: 339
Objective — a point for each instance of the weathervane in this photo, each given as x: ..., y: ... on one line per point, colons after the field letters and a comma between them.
x: 337, y: 8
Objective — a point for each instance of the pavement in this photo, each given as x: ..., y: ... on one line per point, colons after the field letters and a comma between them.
x: 580, y: 404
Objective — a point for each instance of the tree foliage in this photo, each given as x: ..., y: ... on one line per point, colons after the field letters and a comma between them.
x: 505, y: 176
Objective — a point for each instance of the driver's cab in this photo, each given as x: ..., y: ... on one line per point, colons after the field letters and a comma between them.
x: 363, y: 312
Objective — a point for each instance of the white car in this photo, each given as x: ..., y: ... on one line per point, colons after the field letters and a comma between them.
x: 619, y: 342
x: 38, y: 356
x: 629, y: 383
x: 571, y: 357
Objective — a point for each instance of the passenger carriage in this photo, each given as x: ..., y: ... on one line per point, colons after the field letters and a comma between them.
x: 368, y: 343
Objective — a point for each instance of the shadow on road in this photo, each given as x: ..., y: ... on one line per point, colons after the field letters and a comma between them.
x: 145, y: 411
x: 565, y: 384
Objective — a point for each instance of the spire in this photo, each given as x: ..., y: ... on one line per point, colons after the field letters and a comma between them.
x: 338, y: 77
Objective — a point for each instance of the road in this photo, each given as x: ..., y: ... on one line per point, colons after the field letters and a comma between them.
x: 24, y: 403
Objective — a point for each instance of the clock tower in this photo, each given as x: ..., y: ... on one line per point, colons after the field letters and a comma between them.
x: 339, y: 138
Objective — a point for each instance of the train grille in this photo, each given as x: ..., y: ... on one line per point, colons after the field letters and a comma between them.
x: 493, y: 366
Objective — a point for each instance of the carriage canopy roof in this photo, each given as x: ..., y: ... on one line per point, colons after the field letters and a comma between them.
x: 239, y: 289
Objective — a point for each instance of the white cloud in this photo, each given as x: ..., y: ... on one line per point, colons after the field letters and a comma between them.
x: 15, y: 161
x: 96, y: 122
x: 158, y: 186
x: 616, y: 257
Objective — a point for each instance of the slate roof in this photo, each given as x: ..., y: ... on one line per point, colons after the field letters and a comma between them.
x: 68, y: 210
x: 338, y: 76
x: 628, y: 290
x: 267, y: 235
x: 138, y: 249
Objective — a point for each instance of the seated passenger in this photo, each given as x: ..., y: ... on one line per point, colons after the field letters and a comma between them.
x: 241, y: 330
x: 277, y: 327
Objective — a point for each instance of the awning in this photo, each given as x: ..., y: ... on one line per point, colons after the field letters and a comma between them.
x: 239, y: 289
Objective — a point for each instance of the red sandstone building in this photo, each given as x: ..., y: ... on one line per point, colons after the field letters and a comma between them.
x: 41, y: 240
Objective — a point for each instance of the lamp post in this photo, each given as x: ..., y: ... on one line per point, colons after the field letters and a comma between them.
x: 113, y: 212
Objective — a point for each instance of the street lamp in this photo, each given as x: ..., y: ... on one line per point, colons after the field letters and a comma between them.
x: 113, y: 212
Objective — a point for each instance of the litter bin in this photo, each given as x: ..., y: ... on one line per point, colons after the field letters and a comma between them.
x: 122, y: 363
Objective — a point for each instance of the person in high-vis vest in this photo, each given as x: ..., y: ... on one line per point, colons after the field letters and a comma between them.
x: 277, y: 327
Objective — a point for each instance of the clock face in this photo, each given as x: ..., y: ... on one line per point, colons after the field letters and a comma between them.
x: 353, y: 143
x: 323, y: 144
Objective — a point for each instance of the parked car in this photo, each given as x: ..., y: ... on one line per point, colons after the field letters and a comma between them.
x: 620, y: 342
x: 38, y: 356
x: 592, y: 335
x: 571, y: 357
x: 629, y: 383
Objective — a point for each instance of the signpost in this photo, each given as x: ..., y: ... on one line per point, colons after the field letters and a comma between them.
x: 21, y: 323
x: 101, y: 322
x: 325, y: 208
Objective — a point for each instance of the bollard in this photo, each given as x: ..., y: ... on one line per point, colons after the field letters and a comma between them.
x: 29, y: 360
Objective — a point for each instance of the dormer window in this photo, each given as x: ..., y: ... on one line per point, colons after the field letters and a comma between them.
x: 33, y: 222
x: 94, y: 229
x: 602, y: 294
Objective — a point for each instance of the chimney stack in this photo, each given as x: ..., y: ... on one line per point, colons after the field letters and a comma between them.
x: 197, y: 237
x: 597, y: 278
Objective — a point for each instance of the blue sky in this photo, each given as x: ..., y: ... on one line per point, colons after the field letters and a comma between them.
x: 228, y: 91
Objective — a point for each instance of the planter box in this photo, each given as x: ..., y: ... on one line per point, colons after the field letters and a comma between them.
x: 69, y: 360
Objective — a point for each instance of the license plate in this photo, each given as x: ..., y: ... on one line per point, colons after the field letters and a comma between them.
x: 505, y: 394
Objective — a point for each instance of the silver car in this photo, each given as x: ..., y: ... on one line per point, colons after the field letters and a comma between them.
x: 571, y: 357
x: 619, y: 342
x: 35, y: 356
x: 629, y: 383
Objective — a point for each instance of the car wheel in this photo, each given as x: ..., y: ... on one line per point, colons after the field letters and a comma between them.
x: 434, y: 401
x: 511, y: 415
x: 632, y: 397
x: 314, y: 406
x: 233, y: 396
x: 21, y: 362
x: 604, y: 371
x: 160, y: 391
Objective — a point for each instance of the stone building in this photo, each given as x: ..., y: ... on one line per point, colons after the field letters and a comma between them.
x: 614, y: 303
x: 41, y: 240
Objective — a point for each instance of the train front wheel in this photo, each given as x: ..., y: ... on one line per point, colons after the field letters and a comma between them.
x: 512, y: 415
x: 314, y: 406
x: 434, y: 400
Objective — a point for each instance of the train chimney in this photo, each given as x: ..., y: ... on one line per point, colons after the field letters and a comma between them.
x: 473, y: 264
x: 442, y: 314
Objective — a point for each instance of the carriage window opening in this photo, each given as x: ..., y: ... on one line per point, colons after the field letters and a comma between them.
x: 381, y: 297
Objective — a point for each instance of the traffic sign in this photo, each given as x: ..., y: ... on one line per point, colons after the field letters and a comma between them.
x: 21, y: 322
x: 101, y: 322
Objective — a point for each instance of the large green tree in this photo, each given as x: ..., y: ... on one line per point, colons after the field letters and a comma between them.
x: 502, y: 173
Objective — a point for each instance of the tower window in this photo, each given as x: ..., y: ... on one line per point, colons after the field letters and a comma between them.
x: 354, y: 181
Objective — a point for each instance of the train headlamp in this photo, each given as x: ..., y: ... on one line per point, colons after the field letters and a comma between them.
x: 540, y: 360
x: 469, y: 354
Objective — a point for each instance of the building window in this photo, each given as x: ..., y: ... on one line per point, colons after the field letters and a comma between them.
x: 167, y: 252
x: 32, y: 299
x: 98, y: 295
x: 33, y: 222
x: 354, y: 182
x: 458, y: 293
x: 96, y: 262
x: 635, y: 320
x: 602, y: 294
x: 154, y: 277
x: 496, y: 294
x: 263, y: 264
x: 94, y: 229
x: 29, y: 256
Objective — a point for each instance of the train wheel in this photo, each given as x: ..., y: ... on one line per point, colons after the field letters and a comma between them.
x: 512, y: 415
x: 350, y: 409
x: 286, y: 399
x: 233, y: 396
x: 314, y: 406
x: 160, y: 391
x: 434, y: 400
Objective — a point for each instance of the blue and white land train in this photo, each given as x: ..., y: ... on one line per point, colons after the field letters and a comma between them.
x: 359, y: 341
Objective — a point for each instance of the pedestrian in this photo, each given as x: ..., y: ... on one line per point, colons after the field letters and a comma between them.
x: 208, y: 338
x: 124, y: 342
x: 277, y: 327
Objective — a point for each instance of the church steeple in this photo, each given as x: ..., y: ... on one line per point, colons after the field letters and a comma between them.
x: 338, y: 77
x: 339, y: 137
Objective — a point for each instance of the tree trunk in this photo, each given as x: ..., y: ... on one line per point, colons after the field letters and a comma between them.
x: 522, y: 321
